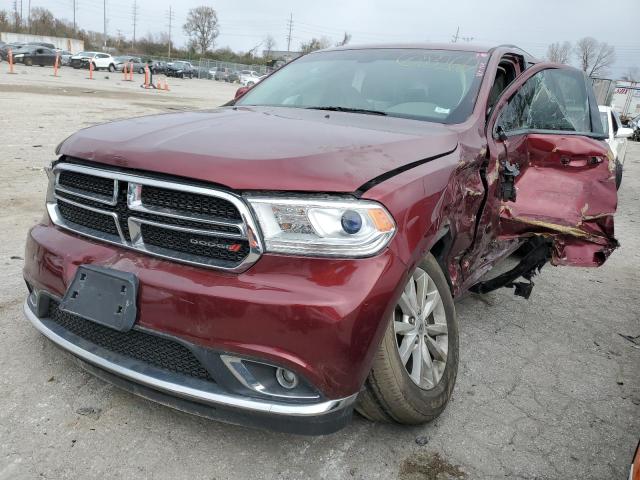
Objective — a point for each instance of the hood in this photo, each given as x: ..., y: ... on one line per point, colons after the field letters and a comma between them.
x: 251, y: 148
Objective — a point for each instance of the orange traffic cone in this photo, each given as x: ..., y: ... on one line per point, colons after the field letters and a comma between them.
x: 10, y: 59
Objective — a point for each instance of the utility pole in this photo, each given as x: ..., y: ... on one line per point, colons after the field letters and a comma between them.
x: 29, y: 16
x: 74, y: 18
x: 104, y: 19
x: 289, y: 36
x: 170, y: 16
x: 457, y: 37
x: 135, y: 21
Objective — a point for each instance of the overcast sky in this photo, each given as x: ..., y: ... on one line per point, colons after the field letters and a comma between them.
x: 530, y: 24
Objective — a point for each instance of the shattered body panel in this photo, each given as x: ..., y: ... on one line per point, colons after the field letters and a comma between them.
x: 565, y: 191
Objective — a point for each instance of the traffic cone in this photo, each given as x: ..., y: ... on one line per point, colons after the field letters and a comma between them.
x: 10, y: 59
x: 90, y: 70
x: 131, y: 71
x: 55, y: 66
x: 124, y: 72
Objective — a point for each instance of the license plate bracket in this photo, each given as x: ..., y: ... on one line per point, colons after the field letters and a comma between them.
x: 104, y: 296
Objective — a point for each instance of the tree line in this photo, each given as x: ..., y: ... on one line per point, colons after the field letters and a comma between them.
x: 595, y: 58
x: 202, y: 27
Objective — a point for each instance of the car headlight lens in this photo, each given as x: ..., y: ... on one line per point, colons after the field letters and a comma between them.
x: 19, y: 55
x: 319, y: 227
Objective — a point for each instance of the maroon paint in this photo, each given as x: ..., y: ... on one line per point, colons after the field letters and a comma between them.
x: 322, y: 317
x: 316, y: 316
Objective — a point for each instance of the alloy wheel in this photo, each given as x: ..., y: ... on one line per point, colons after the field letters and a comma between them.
x: 420, y: 325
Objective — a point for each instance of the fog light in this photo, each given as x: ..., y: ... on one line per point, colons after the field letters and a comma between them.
x: 286, y: 379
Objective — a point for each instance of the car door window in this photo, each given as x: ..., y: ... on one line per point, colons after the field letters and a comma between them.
x: 551, y: 100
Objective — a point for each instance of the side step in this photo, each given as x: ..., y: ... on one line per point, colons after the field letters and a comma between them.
x: 540, y: 250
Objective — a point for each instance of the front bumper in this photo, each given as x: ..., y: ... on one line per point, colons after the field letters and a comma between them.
x: 320, y: 318
x: 312, y: 419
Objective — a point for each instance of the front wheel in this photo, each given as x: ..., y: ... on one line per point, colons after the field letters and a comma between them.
x: 112, y: 68
x: 415, y: 367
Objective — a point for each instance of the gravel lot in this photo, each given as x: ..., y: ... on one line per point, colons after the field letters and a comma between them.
x: 547, y: 389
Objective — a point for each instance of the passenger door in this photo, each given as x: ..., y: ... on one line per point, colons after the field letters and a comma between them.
x: 554, y: 175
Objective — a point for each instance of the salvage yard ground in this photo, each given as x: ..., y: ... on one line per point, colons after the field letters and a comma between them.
x: 548, y: 388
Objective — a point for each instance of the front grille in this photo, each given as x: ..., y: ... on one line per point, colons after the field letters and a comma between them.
x: 189, y: 203
x: 144, y: 347
x: 194, y: 244
x: 87, y: 218
x: 86, y: 183
x: 203, y: 226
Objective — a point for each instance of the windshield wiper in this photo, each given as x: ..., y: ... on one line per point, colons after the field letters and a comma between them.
x: 349, y: 110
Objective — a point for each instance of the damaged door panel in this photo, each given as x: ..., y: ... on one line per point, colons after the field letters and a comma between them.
x: 565, y: 191
x: 550, y: 179
x: 555, y: 176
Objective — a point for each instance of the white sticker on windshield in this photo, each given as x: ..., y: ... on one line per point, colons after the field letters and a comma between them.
x: 442, y: 110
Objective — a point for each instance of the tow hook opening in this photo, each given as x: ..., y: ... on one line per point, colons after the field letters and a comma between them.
x: 538, y: 252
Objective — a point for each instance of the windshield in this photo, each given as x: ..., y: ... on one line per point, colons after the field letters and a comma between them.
x: 433, y: 85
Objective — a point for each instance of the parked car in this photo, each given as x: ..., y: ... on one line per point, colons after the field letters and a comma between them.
x: 158, y: 66
x: 100, y: 61
x: 34, y: 55
x: 284, y: 273
x: 65, y: 56
x: 634, y: 124
x: 616, y: 138
x: 48, y: 45
x: 136, y: 62
x: 14, y: 47
x: 222, y: 74
x: 233, y: 77
x: 248, y: 77
x: 180, y: 69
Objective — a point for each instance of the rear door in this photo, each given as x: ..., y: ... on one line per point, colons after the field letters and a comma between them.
x: 555, y: 174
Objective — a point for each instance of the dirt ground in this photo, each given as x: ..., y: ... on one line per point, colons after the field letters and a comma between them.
x: 547, y: 389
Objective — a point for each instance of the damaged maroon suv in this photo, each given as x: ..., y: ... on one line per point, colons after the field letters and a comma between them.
x: 295, y: 254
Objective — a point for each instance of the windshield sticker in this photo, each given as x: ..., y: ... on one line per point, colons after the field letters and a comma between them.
x: 444, y: 111
x: 481, y: 68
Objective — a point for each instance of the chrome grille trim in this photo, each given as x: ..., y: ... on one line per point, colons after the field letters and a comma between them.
x: 247, y: 227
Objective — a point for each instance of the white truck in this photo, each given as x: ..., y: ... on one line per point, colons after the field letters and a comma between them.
x: 626, y: 99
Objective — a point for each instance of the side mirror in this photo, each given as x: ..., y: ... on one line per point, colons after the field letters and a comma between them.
x: 242, y: 90
x: 624, y: 132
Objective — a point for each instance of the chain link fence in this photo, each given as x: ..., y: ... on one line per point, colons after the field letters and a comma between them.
x: 204, y: 66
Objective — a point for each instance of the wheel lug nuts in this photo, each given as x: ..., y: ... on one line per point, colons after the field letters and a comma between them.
x: 412, y: 321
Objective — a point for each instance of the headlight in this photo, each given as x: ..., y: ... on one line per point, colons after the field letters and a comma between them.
x: 19, y: 55
x: 336, y: 228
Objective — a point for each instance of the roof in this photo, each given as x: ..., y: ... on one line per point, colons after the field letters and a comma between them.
x: 463, y: 46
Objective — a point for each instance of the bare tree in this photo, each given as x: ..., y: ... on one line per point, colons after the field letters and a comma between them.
x: 595, y: 57
x: 315, y: 44
x: 559, y: 52
x: 269, y: 44
x: 202, y: 27
x: 632, y: 75
x: 346, y: 39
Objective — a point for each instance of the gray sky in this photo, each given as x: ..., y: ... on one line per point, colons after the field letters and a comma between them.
x: 530, y: 24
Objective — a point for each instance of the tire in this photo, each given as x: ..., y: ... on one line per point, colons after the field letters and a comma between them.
x: 618, y: 174
x: 141, y: 71
x: 28, y: 62
x: 390, y: 394
x: 112, y: 68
